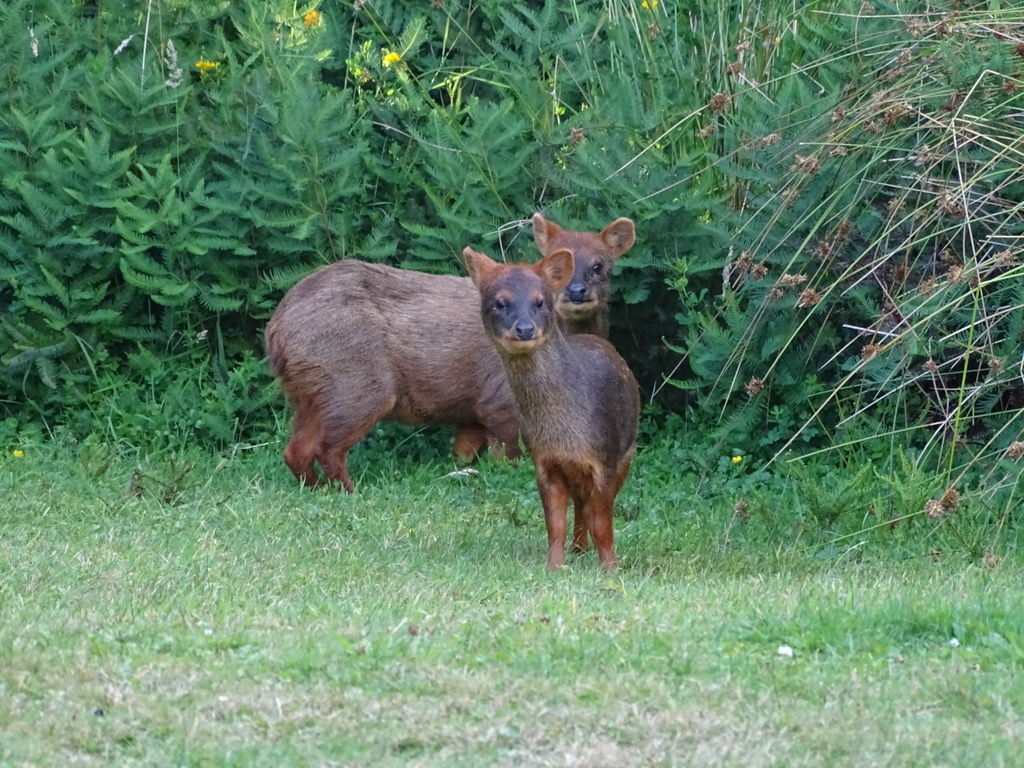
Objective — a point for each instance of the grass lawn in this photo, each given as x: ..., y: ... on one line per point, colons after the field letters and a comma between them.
x: 205, y: 611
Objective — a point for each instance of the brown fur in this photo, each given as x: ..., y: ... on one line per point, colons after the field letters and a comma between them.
x: 583, y: 303
x: 356, y: 343
x: 578, y: 402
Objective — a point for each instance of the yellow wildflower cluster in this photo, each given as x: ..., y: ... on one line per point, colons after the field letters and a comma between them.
x: 312, y: 19
x: 206, y: 66
x: 390, y: 58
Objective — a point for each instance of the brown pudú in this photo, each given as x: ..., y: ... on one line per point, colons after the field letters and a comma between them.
x: 355, y: 343
x: 578, y: 401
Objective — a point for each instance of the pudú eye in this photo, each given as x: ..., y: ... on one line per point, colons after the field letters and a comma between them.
x: 539, y: 303
x: 500, y: 303
x: 597, y: 268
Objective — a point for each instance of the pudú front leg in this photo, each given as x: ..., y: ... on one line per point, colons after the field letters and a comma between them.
x: 580, y: 542
x: 554, y: 496
x: 598, y: 515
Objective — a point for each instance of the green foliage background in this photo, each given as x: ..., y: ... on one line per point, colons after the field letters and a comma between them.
x: 153, y: 211
x: 827, y: 202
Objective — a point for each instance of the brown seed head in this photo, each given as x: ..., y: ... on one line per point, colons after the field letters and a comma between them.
x: 1005, y: 259
x: 653, y: 30
x: 868, y: 351
x: 576, y: 135
x: 896, y: 113
x: 754, y: 386
x: 792, y: 281
x: 823, y: 249
x: 915, y: 26
x: 1016, y: 450
x: 720, y: 102
x: 950, y: 500
x: 809, y: 165
x: 775, y: 294
x: 843, y: 232
x: 734, y: 68
x: 928, y: 286
x: 957, y: 275
x: 930, y: 366
x: 1018, y: 50
x: 950, y: 206
x: 808, y: 298
x: 933, y: 508
x: 741, y: 509
x: 706, y: 131
x: 759, y: 271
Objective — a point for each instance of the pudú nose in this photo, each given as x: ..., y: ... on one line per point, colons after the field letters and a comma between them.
x: 577, y: 292
x: 524, y: 330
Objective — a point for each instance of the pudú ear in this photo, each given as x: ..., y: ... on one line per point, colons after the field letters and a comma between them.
x: 544, y: 232
x: 480, y: 266
x: 618, y: 237
x: 556, y: 269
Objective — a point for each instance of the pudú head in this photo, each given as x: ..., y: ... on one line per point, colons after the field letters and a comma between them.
x: 594, y: 255
x: 517, y: 300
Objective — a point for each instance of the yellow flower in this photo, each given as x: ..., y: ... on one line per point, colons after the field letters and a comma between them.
x: 737, y: 459
x: 650, y: 5
x: 312, y: 18
x: 390, y: 58
x: 18, y: 454
x: 206, y: 66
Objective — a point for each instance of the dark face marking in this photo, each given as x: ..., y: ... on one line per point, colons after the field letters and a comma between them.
x: 517, y: 310
x: 590, y: 286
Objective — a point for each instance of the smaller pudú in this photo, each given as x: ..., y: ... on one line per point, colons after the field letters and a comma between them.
x: 578, y: 402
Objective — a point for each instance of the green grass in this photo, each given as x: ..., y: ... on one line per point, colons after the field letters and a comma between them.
x: 206, y: 611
